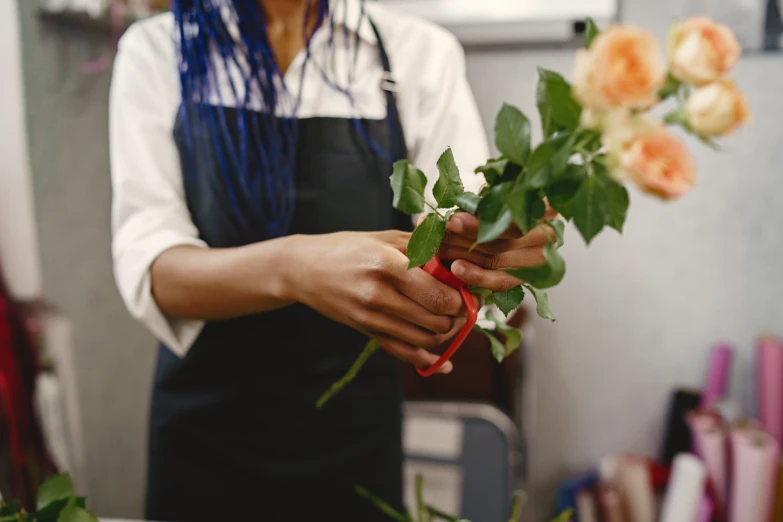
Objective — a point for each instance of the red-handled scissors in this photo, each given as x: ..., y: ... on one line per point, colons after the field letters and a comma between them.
x: 436, y: 269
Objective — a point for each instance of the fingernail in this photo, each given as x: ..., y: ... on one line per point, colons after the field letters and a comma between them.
x: 457, y: 269
x: 455, y: 223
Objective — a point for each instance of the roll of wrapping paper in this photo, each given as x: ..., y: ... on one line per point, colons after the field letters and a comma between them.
x: 685, y: 491
x: 718, y: 372
x: 710, y: 443
x: 769, y: 378
x: 611, y: 503
x: 777, y: 510
x: 586, y: 506
x: 755, y: 456
x: 704, y: 513
x: 633, y: 479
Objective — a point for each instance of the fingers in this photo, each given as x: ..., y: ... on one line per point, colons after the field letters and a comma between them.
x: 531, y: 256
x: 430, y: 293
x: 397, y: 239
x: 465, y: 224
x: 474, y: 275
x: 418, y: 357
x: 411, y: 311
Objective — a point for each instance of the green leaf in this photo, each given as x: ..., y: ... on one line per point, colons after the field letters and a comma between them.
x: 560, y: 194
x: 509, y: 300
x: 545, y: 275
x: 10, y: 508
x: 73, y: 513
x: 81, y: 502
x: 591, y: 31
x: 51, y: 512
x: 425, y: 240
x: 512, y: 337
x: 617, y: 202
x: 491, y: 230
x: 512, y: 134
x: 492, y: 201
x: 559, y: 227
x: 565, y: 516
x: 542, y: 303
x: 467, y: 201
x: 408, y: 185
x: 518, y: 201
x: 670, y: 88
x: 549, y: 160
x: 449, y: 184
x: 485, y: 293
x: 557, y: 107
x: 590, y: 208
x: 54, y: 488
x: 493, y: 169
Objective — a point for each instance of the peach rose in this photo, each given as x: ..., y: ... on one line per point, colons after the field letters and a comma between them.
x: 624, y: 68
x: 701, y: 51
x: 659, y: 163
x: 716, y: 108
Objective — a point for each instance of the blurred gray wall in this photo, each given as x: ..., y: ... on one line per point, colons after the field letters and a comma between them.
x: 636, y: 315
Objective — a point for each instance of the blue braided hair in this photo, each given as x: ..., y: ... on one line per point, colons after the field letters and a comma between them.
x: 217, y: 36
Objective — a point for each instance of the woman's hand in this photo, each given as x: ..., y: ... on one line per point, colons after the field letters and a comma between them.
x: 362, y: 280
x: 481, y: 266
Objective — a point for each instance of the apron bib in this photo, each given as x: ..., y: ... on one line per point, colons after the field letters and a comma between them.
x: 234, y: 432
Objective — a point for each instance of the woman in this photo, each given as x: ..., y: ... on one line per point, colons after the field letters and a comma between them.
x: 251, y: 146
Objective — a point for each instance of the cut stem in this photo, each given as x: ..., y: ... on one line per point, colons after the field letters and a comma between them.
x: 380, y: 504
x: 516, y: 508
x: 423, y: 513
x: 369, y: 349
x: 436, y: 514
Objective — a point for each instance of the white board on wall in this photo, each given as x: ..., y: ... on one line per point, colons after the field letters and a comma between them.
x: 18, y: 234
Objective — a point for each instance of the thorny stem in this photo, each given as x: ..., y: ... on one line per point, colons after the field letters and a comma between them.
x: 369, y: 349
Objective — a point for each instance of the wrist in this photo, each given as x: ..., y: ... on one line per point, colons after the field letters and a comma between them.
x: 288, y: 268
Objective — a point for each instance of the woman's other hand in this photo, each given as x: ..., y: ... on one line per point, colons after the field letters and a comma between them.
x: 362, y: 280
x: 482, y: 266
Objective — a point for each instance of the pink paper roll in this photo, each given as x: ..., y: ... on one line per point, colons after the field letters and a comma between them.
x: 755, y: 463
x: 718, y: 373
x: 769, y: 375
x: 704, y: 514
x: 710, y: 443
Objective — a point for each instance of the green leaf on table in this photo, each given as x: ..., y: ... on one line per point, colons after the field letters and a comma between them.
x: 512, y: 134
x: 589, y: 208
x: 546, y: 275
x: 73, y: 513
x: 591, y: 31
x: 542, y: 303
x: 55, y: 488
x: 425, y: 240
x: 449, y: 184
x: 617, y: 202
x: 408, y: 183
x: 509, y: 300
x: 493, y: 170
x: 548, y: 161
x: 558, y: 109
x: 559, y: 227
x: 467, y: 201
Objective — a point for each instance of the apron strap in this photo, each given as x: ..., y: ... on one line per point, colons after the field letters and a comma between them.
x: 389, y: 86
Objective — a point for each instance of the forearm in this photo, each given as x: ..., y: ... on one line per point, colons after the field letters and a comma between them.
x: 220, y: 283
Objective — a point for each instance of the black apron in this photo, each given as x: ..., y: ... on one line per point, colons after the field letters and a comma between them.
x: 234, y: 432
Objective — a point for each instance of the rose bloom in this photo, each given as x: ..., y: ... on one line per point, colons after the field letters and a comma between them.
x: 642, y: 151
x: 623, y: 68
x: 716, y: 108
x: 701, y: 51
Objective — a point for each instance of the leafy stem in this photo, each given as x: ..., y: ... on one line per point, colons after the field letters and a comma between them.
x: 434, y: 209
x: 369, y: 349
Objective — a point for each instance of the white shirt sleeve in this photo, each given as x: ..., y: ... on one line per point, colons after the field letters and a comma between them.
x: 447, y: 116
x: 149, y: 212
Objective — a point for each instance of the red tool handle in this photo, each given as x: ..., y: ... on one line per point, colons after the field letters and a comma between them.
x: 436, y: 269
